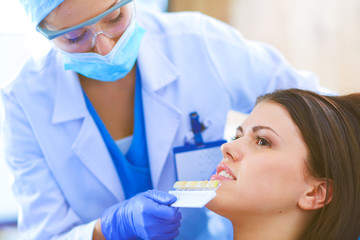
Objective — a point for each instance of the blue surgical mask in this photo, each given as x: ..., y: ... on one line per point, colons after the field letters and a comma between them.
x: 114, y: 65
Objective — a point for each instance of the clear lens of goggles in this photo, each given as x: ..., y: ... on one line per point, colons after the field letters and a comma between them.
x: 83, y: 39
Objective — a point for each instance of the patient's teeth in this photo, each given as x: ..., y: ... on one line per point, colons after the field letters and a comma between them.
x: 225, y: 174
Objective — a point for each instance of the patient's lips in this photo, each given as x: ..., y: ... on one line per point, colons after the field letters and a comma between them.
x: 223, y: 172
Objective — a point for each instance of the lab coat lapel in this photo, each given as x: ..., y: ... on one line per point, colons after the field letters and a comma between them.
x: 92, y: 151
x: 162, y: 119
x: 88, y: 144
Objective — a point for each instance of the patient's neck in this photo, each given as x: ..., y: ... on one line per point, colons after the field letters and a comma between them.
x: 277, y: 226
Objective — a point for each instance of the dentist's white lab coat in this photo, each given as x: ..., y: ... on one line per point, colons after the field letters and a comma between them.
x: 64, y: 175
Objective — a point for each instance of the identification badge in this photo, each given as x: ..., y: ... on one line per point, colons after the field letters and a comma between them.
x: 197, y: 162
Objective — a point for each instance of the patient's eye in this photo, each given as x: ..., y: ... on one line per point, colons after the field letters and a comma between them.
x: 239, y: 133
x: 233, y: 138
x: 237, y: 136
x: 261, y: 141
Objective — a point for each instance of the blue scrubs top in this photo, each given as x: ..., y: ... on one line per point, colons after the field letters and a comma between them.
x: 133, y: 167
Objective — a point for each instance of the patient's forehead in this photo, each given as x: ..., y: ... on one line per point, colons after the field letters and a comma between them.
x: 271, y: 114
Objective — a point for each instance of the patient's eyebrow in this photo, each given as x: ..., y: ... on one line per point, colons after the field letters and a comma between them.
x: 240, y: 129
x: 255, y: 129
x: 258, y: 128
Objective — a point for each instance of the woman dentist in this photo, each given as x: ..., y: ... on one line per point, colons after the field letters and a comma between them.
x: 91, y: 125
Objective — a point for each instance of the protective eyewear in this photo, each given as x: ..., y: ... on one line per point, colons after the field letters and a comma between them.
x: 50, y: 34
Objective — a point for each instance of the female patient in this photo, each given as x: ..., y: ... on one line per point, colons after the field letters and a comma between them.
x: 293, y: 170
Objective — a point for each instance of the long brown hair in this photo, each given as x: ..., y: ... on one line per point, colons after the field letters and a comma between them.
x: 330, y: 127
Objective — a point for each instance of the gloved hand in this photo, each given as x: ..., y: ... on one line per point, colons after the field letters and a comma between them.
x: 146, y: 215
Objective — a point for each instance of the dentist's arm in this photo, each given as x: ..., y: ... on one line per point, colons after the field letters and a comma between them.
x: 146, y: 215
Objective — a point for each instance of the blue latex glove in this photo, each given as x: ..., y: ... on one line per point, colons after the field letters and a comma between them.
x: 146, y: 215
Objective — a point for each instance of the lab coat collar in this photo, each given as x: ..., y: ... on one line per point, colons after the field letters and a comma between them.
x: 68, y: 93
x: 162, y: 119
x: 157, y: 71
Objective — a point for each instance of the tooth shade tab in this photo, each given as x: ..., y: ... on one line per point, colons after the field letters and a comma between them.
x: 194, y: 194
x: 195, y: 185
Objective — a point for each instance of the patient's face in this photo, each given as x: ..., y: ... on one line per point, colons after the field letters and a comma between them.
x: 263, y: 171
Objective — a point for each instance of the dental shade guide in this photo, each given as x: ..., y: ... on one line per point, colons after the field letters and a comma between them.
x: 194, y: 194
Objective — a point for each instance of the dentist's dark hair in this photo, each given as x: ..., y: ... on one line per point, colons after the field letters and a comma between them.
x: 330, y: 127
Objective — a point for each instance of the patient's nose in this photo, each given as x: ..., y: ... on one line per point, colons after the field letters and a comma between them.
x: 231, y: 151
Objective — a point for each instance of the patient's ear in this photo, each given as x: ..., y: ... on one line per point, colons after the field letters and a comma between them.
x: 315, y: 196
